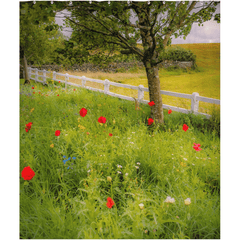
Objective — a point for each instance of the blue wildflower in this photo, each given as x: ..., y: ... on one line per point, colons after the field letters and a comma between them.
x: 69, y: 158
x: 64, y: 156
x: 74, y: 158
x: 64, y: 161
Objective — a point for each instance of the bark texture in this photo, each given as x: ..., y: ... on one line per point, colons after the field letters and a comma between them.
x: 26, y: 77
x: 154, y: 94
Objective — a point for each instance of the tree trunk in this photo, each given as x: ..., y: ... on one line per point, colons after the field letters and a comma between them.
x: 26, y: 77
x: 154, y: 93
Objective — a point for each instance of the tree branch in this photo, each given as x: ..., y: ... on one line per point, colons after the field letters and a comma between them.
x: 181, y: 23
x: 130, y: 24
x: 90, y: 29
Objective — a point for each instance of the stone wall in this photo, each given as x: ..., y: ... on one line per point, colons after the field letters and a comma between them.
x: 167, y: 64
x: 112, y: 67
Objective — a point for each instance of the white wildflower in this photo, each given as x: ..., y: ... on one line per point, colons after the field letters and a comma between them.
x: 169, y: 200
x: 187, y: 201
x: 141, y: 205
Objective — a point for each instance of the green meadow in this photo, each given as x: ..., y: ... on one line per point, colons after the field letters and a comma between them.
x: 162, y: 187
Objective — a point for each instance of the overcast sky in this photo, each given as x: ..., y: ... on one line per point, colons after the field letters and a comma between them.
x: 208, y: 33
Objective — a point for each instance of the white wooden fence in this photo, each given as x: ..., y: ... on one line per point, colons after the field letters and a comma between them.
x: 195, y: 98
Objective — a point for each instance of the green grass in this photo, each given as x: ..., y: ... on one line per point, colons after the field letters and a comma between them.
x: 71, y: 203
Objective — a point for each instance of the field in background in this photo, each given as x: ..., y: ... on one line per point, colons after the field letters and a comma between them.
x: 205, y: 80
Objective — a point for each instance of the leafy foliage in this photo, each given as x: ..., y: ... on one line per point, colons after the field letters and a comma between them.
x: 39, y: 35
x: 179, y: 54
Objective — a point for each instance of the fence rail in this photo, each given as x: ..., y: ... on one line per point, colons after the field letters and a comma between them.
x: 195, y: 98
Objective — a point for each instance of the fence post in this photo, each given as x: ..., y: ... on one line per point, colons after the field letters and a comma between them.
x: 83, y: 81
x: 36, y: 74
x: 66, y: 79
x: 29, y: 73
x: 194, y: 102
x: 106, y: 86
x: 54, y: 76
x: 44, y: 76
x: 140, y: 93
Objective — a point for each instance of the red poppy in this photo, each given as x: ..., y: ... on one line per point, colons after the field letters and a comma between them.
x: 27, y: 173
x: 32, y: 87
x: 169, y: 111
x: 150, y: 121
x: 110, y: 202
x: 83, y: 112
x: 39, y: 92
x: 29, y: 125
x: 59, y: 81
x: 197, y: 146
x: 185, y: 127
x: 152, y: 103
x: 33, y: 92
x: 73, y: 89
x: 57, y: 133
x: 58, y: 95
x: 110, y: 134
x: 102, y: 119
x: 87, y: 133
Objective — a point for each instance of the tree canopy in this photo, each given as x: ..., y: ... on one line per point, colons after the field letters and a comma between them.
x: 39, y: 34
x: 121, y: 25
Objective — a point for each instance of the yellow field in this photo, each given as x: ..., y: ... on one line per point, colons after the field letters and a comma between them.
x: 206, y: 82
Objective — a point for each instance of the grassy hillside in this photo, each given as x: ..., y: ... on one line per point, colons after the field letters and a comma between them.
x: 205, y: 81
x: 162, y: 187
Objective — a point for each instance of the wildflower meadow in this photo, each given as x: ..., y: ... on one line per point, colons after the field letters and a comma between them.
x: 94, y: 167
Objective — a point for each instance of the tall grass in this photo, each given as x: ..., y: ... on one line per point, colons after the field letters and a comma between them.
x: 69, y: 200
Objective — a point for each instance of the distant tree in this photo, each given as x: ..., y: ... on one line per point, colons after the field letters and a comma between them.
x: 38, y: 33
x: 107, y: 26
